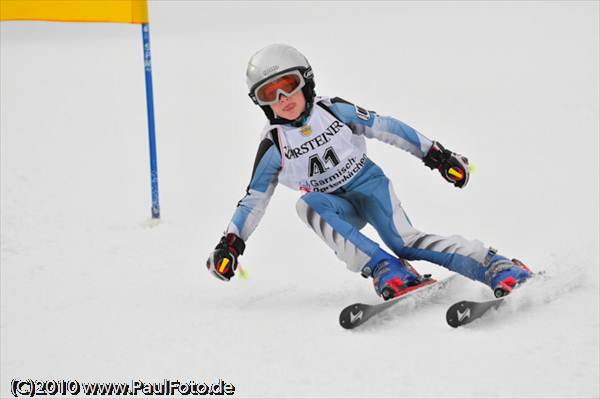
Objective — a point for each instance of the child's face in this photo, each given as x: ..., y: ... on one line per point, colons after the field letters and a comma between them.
x: 290, y: 107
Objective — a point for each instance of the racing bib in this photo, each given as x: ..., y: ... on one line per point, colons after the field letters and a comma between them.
x: 320, y: 156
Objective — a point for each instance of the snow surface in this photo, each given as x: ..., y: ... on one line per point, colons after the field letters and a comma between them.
x: 89, y: 290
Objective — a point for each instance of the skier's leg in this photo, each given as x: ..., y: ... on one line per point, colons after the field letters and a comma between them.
x: 467, y: 257
x: 337, y: 223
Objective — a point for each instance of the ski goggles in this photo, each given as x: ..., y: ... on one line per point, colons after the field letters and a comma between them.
x: 268, y: 92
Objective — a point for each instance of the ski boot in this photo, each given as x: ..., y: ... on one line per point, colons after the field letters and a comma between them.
x: 393, y: 277
x: 508, y: 275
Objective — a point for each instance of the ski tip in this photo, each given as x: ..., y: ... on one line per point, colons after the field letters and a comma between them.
x: 458, y: 314
x: 464, y: 312
x: 352, y: 316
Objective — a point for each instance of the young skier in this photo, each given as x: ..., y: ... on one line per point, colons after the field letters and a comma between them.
x: 317, y: 145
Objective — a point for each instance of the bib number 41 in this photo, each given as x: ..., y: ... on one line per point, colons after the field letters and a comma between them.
x: 317, y: 165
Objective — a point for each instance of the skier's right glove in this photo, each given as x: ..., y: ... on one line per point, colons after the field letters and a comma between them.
x: 453, y: 167
x: 223, y: 261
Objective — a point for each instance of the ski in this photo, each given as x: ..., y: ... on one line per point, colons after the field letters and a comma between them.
x: 357, y: 314
x: 464, y: 312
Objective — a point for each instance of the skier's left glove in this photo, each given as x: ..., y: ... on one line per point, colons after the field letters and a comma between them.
x: 223, y: 261
x: 453, y: 167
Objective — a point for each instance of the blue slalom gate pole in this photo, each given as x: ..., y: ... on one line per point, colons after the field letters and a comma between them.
x: 151, y: 134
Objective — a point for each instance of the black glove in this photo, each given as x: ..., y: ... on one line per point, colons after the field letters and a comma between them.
x: 453, y: 167
x: 222, y: 262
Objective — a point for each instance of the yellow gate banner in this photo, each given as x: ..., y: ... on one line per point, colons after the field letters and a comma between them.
x: 124, y: 11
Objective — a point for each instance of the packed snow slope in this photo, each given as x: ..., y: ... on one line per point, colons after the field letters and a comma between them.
x: 90, y: 291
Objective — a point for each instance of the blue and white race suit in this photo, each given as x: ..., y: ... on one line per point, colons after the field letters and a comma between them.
x: 326, y: 158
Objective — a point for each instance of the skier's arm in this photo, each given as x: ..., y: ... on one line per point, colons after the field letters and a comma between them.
x: 251, y: 208
x: 384, y: 128
x: 453, y: 167
x: 222, y: 262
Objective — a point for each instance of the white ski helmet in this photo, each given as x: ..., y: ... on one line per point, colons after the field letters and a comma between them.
x: 275, y: 60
